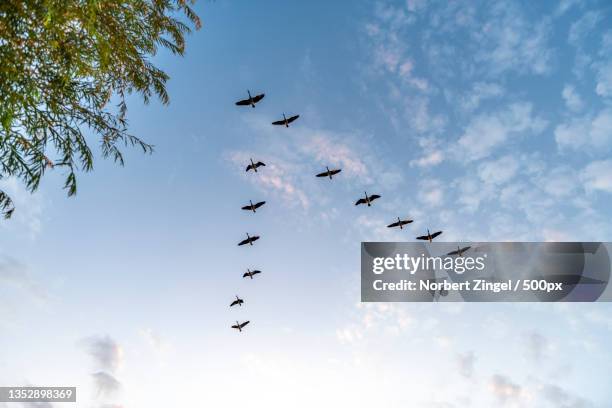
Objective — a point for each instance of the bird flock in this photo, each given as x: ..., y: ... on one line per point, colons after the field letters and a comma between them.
x: 328, y: 173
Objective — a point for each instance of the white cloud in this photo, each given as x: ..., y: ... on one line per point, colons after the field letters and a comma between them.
x: 597, y: 176
x: 499, y: 171
x: 572, y: 99
x: 480, y: 92
x: 431, y: 192
x: 505, y: 390
x: 430, y: 159
x: 591, y: 133
x: 28, y: 207
x: 486, y: 132
x: 581, y: 28
x: 106, y: 353
x: 466, y: 364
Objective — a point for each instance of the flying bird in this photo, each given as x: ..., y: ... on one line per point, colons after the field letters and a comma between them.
x: 253, y: 166
x: 250, y: 273
x: 286, y: 121
x: 252, y: 100
x: 399, y: 223
x: 459, y: 251
x: 253, y: 207
x: 249, y: 240
x: 239, y: 326
x: 429, y: 237
x: 238, y: 302
x: 367, y: 200
x: 329, y: 173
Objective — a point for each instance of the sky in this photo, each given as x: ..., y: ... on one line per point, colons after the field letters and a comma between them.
x: 487, y: 120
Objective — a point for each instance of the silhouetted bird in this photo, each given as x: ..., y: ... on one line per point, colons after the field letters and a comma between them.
x: 459, y: 251
x: 253, y: 207
x: 286, y: 121
x: 399, y: 223
x: 240, y: 326
x: 367, y: 200
x: 238, y: 302
x: 250, y: 273
x: 329, y: 173
x: 249, y: 240
x: 251, y: 101
x: 254, y: 166
x: 429, y: 237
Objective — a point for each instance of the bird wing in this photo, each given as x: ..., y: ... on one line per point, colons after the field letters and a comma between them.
x: 249, y: 167
x: 234, y: 326
x: 374, y: 197
x: 255, y: 272
x: 404, y: 222
x: 279, y: 122
x: 243, y: 102
x: 254, y: 238
x: 333, y: 172
x: 423, y: 237
x: 259, y: 204
x: 244, y: 241
x: 395, y: 224
x: 246, y: 274
x: 235, y: 302
x: 244, y: 324
x: 258, y: 164
x: 465, y: 248
x: 360, y: 201
x: 456, y: 252
x: 435, y: 234
x: 324, y: 174
x: 291, y: 119
x: 258, y: 98
x: 247, y: 207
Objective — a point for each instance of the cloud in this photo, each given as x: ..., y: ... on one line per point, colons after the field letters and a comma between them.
x: 504, y: 389
x: 560, y: 398
x: 486, y: 132
x: 572, y: 99
x: 329, y: 152
x: 431, y: 192
x: 597, y: 176
x: 537, y: 346
x: 28, y: 208
x: 582, y: 27
x: 480, y: 91
x: 105, y: 383
x: 508, y: 41
x: 106, y: 353
x: 16, y: 274
x: 466, y: 363
x: 586, y: 132
x: 499, y: 171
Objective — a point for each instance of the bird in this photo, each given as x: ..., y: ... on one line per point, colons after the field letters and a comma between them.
x: 286, y: 121
x: 367, y: 200
x: 238, y: 302
x: 253, y: 166
x: 251, y: 101
x: 253, y: 207
x: 429, y: 237
x: 249, y: 240
x: 239, y: 326
x: 250, y: 273
x: 329, y: 173
x: 399, y: 223
x: 459, y: 251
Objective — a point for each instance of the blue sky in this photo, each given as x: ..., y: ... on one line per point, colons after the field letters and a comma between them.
x: 488, y: 121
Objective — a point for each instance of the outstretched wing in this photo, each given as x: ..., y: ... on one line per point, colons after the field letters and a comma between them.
x: 255, y: 238
x: 404, y: 222
x: 291, y: 119
x: 435, y: 234
x: 465, y: 248
x: 244, y: 324
x: 244, y: 241
x: 259, y: 204
x: 258, y: 98
x: 249, y: 167
x: 247, y: 207
x: 334, y: 172
x: 235, y: 302
x: 255, y: 272
x: 259, y: 164
x: 374, y: 197
x: 279, y: 122
x: 455, y: 252
x: 395, y: 224
x: 235, y: 326
x: 324, y: 174
x: 246, y: 274
x: 360, y: 201
x: 243, y: 102
x: 423, y: 238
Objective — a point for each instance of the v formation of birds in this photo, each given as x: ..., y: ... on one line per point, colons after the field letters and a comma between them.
x: 328, y: 173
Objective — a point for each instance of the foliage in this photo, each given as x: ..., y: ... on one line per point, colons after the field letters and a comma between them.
x: 62, y: 61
